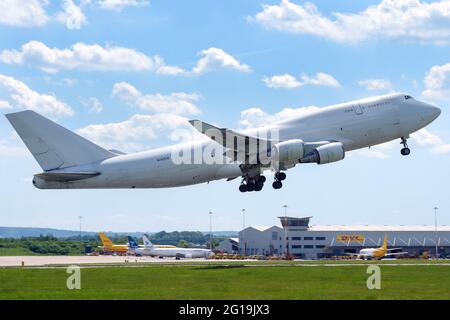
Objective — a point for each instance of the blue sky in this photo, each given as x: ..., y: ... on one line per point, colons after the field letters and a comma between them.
x: 127, y: 73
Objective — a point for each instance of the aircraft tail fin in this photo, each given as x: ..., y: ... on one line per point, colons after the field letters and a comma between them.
x: 385, y: 242
x: 53, y: 146
x: 105, y: 240
x: 147, y: 242
x: 132, y: 243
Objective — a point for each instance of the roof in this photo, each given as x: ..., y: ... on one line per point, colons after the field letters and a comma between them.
x: 378, y: 228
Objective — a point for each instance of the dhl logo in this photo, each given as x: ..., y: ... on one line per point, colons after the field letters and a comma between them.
x: 350, y: 238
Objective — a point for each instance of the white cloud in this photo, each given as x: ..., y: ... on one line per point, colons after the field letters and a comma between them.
x: 321, y: 79
x: 437, y: 83
x: 18, y: 95
x: 376, y: 84
x: 135, y: 134
x: 93, y: 57
x: 391, y: 19
x: 426, y: 139
x: 255, y: 117
x: 175, y: 103
x: 282, y: 81
x: 214, y: 59
x: 289, y: 82
x: 23, y: 13
x: 95, y: 106
x: 72, y: 15
x: 80, y: 56
x: 118, y: 5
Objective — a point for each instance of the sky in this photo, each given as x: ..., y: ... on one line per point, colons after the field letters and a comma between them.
x: 127, y: 74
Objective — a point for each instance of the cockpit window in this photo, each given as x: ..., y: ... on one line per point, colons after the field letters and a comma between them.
x: 408, y: 97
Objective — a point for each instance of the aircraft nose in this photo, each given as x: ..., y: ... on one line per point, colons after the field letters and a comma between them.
x: 429, y: 112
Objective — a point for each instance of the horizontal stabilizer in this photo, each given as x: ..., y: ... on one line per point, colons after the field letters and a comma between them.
x: 66, y: 176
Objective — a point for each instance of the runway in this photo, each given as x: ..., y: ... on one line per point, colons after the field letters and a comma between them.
x: 105, y: 261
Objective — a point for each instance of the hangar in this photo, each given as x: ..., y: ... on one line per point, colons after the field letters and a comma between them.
x: 296, y: 237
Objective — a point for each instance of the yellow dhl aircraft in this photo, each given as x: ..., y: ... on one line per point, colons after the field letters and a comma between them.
x: 110, y: 247
x: 377, y: 253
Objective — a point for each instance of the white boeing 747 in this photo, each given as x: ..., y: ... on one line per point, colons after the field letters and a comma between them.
x: 323, y: 136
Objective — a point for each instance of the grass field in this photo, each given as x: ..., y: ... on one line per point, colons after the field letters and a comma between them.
x: 227, y: 282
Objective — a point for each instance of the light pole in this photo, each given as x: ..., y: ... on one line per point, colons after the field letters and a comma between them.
x: 285, y: 232
x: 80, y: 217
x: 243, y: 232
x: 435, y: 230
x: 210, y: 231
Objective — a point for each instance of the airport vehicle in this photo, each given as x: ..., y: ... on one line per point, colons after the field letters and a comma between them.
x: 321, y: 136
x: 110, y: 247
x: 151, y: 250
x: 377, y: 253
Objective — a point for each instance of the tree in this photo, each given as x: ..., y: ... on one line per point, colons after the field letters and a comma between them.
x: 183, y: 244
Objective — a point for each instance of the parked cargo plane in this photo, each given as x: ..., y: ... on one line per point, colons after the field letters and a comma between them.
x: 151, y: 250
x: 377, y: 253
x: 323, y: 136
x: 110, y: 247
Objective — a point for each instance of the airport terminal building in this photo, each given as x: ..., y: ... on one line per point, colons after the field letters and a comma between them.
x: 297, y: 238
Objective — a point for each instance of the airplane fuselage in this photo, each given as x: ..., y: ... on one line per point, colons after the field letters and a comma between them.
x: 357, y: 124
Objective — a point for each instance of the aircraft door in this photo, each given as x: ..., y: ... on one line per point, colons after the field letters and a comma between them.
x: 358, y: 109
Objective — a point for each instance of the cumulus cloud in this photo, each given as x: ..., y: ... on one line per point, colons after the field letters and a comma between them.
x: 94, y: 57
x: 376, y: 84
x: 118, y: 5
x: 389, y: 19
x: 16, y: 95
x: 289, y: 82
x: 425, y: 138
x: 214, y: 59
x: 175, y: 103
x: 256, y: 117
x: 23, y: 13
x: 136, y: 133
x: 282, y: 81
x: 72, y: 15
x: 80, y: 56
x: 437, y: 83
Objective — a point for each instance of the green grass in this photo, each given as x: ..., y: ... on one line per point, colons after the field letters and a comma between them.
x: 227, y: 282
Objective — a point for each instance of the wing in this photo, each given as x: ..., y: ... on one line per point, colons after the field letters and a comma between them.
x: 395, y: 253
x: 239, y: 146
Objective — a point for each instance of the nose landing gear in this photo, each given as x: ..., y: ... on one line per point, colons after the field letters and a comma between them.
x: 405, y: 150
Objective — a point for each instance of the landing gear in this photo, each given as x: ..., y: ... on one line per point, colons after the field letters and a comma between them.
x: 277, y: 185
x: 405, y: 150
x: 279, y: 176
x: 252, y: 183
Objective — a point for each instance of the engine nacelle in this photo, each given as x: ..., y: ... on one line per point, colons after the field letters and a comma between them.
x: 288, y: 151
x: 330, y: 152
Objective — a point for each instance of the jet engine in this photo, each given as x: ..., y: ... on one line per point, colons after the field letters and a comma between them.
x: 288, y: 151
x: 327, y: 153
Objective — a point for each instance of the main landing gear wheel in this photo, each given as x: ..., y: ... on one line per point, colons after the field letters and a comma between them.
x: 277, y: 185
x: 252, y: 184
x: 405, y: 150
x: 279, y: 176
